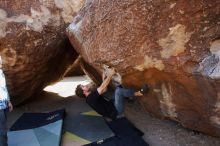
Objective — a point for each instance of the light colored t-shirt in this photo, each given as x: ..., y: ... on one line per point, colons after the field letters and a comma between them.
x: 4, y: 96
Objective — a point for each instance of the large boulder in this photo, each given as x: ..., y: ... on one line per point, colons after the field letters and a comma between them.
x: 33, y: 43
x: 174, y: 46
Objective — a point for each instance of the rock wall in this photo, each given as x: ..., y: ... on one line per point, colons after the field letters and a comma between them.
x: 75, y: 69
x: 171, y: 45
x: 33, y: 43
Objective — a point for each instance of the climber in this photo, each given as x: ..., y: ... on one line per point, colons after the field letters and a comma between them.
x: 112, y: 108
x: 5, y: 105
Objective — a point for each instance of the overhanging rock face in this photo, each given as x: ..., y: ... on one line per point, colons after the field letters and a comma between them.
x: 171, y: 45
x: 33, y: 44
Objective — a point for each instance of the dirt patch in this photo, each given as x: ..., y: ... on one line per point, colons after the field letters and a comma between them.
x: 165, y: 132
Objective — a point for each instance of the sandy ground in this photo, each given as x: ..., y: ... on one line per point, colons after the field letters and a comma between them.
x: 157, y: 132
x: 165, y: 132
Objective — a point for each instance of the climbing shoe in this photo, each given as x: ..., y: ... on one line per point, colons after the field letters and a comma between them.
x: 144, y: 89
